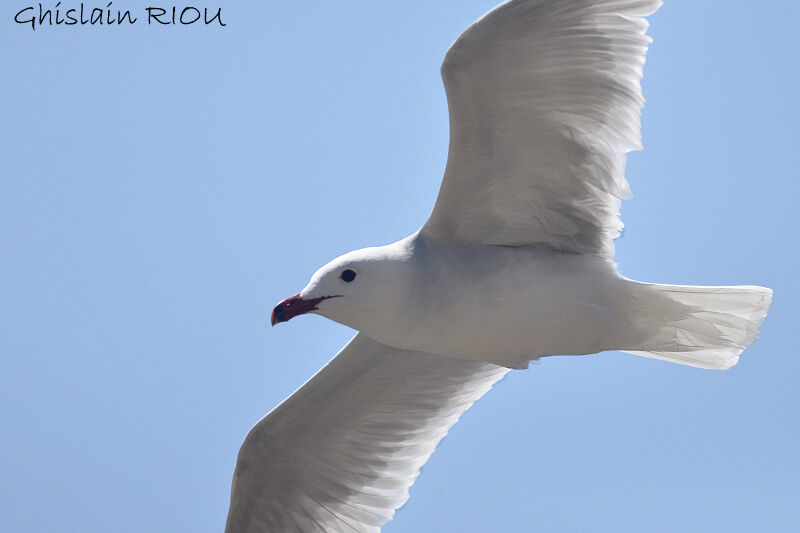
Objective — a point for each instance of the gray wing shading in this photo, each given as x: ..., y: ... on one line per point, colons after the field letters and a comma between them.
x: 545, y: 101
x: 340, y: 454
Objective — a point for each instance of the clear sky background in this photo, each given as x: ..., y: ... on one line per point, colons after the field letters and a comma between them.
x: 164, y: 187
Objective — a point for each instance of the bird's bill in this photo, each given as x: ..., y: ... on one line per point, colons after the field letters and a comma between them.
x: 294, y: 306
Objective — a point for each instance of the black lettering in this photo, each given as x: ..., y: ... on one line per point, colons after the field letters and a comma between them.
x: 110, y: 15
x: 31, y: 20
x: 151, y: 15
x: 42, y: 14
x: 185, y: 9
x: 218, y: 16
x: 127, y: 14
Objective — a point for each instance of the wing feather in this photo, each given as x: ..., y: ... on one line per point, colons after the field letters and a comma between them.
x: 341, y: 453
x: 545, y: 101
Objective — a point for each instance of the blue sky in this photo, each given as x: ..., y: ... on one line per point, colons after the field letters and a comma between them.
x: 164, y: 187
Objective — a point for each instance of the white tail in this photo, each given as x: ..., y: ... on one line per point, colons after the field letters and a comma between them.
x: 706, y: 327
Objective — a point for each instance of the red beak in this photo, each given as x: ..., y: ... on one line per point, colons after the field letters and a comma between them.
x: 294, y: 306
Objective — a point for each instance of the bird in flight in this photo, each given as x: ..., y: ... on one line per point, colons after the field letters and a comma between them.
x: 515, y: 263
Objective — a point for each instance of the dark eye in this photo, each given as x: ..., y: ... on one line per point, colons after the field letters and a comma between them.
x: 348, y: 275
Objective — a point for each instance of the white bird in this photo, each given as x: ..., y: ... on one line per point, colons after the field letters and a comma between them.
x: 516, y: 262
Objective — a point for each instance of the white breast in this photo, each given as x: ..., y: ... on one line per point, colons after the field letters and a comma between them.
x: 507, y: 305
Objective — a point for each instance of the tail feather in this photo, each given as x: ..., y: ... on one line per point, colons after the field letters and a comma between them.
x: 705, y: 327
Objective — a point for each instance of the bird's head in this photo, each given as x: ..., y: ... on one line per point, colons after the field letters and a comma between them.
x: 350, y: 288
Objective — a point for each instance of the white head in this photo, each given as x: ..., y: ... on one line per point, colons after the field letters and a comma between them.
x: 353, y: 289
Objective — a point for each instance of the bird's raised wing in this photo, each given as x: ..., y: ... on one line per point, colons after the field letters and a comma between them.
x: 341, y: 453
x: 545, y: 102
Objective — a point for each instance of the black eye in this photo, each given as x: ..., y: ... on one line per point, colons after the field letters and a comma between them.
x: 348, y: 275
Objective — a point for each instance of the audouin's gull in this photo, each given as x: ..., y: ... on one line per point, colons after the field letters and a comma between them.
x: 515, y: 263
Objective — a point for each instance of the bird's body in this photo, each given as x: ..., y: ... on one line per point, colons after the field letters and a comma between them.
x: 521, y: 303
x: 508, y: 305
x: 516, y: 262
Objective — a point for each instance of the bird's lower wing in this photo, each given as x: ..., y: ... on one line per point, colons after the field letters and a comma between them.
x: 341, y: 453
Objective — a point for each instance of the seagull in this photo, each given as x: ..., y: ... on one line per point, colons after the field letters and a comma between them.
x: 515, y: 263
